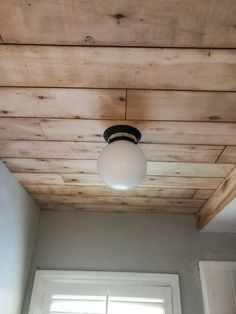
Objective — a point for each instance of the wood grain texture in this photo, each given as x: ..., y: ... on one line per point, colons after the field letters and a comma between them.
x: 152, y: 131
x: 119, y: 208
x: 92, y: 130
x: 181, y: 153
x: 110, y: 104
x: 39, y: 178
x: 100, y: 67
x: 181, y: 106
x: 117, y: 200
x: 228, y: 155
x: 46, y: 149
x: 225, y: 193
x: 94, y: 179
x: 122, y: 23
x: 203, y: 194
x: 90, y: 166
x: 91, y: 150
x: 51, y: 165
x: 152, y: 181
x: 208, y: 170
x: 91, y: 191
x: 21, y: 129
x: 146, y: 67
x: 62, y: 103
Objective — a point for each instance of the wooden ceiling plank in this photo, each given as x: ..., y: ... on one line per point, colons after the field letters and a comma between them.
x: 106, y: 191
x: 181, y: 153
x: 206, y: 133
x: 39, y: 178
x: 208, y: 170
x: 225, y: 193
x: 181, y: 182
x: 181, y: 105
x: 228, y: 155
x: 103, y: 67
x: 136, y: 23
x: 51, y: 165
x: 46, y: 149
x: 115, y: 200
x: 85, y: 150
x: 152, y: 181
x: 94, y: 179
x: 110, y: 104
x: 203, y: 194
x: 119, y: 208
x: 62, y: 103
x: 152, y: 131
x: 90, y: 166
x: 21, y: 129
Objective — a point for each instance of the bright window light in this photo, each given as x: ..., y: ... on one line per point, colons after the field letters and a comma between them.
x: 126, y: 306
x: 105, y: 305
x: 78, y: 304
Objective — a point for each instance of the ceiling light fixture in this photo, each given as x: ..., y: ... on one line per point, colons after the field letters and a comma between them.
x: 122, y: 164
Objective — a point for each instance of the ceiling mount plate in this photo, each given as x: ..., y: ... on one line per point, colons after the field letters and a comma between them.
x: 122, y: 132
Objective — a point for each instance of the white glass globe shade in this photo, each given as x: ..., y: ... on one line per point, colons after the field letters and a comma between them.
x: 122, y: 165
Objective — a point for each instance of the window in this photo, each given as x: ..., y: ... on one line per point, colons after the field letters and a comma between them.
x: 72, y: 292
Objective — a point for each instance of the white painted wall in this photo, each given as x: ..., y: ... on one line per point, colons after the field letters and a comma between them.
x: 130, y: 242
x: 19, y: 217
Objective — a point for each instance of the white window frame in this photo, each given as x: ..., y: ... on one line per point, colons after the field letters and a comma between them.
x: 49, y: 278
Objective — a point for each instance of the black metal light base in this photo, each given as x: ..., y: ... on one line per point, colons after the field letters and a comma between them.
x: 122, y: 132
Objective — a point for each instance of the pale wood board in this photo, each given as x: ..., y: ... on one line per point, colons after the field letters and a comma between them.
x: 182, y: 106
x: 181, y: 182
x: 94, y: 179
x: 90, y: 166
x: 152, y: 181
x: 39, y: 178
x: 203, y: 194
x: 21, y: 129
x: 92, y: 130
x: 91, y: 150
x: 152, y: 131
x: 228, y: 155
x: 110, y: 104
x: 181, y: 153
x: 103, y: 67
x: 115, y: 200
x: 106, y: 191
x: 52, y: 165
x: 46, y: 149
x: 208, y: 170
x: 225, y: 193
x: 123, y: 23
x: 62, y: 103
x: 119, y: 208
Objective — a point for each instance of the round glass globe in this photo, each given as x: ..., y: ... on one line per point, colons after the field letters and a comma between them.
x: 122, y: 165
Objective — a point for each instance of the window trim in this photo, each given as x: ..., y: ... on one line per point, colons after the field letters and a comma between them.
x: 45, y: 277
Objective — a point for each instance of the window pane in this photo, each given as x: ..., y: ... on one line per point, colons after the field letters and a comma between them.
x: 78, y: 304
x: 97, y: 305
x: 135, y: 306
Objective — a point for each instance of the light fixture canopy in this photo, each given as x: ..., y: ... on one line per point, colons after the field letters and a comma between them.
x: 122, y: 164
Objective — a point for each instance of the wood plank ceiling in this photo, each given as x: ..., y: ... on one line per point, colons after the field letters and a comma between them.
x: 69, y: 69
